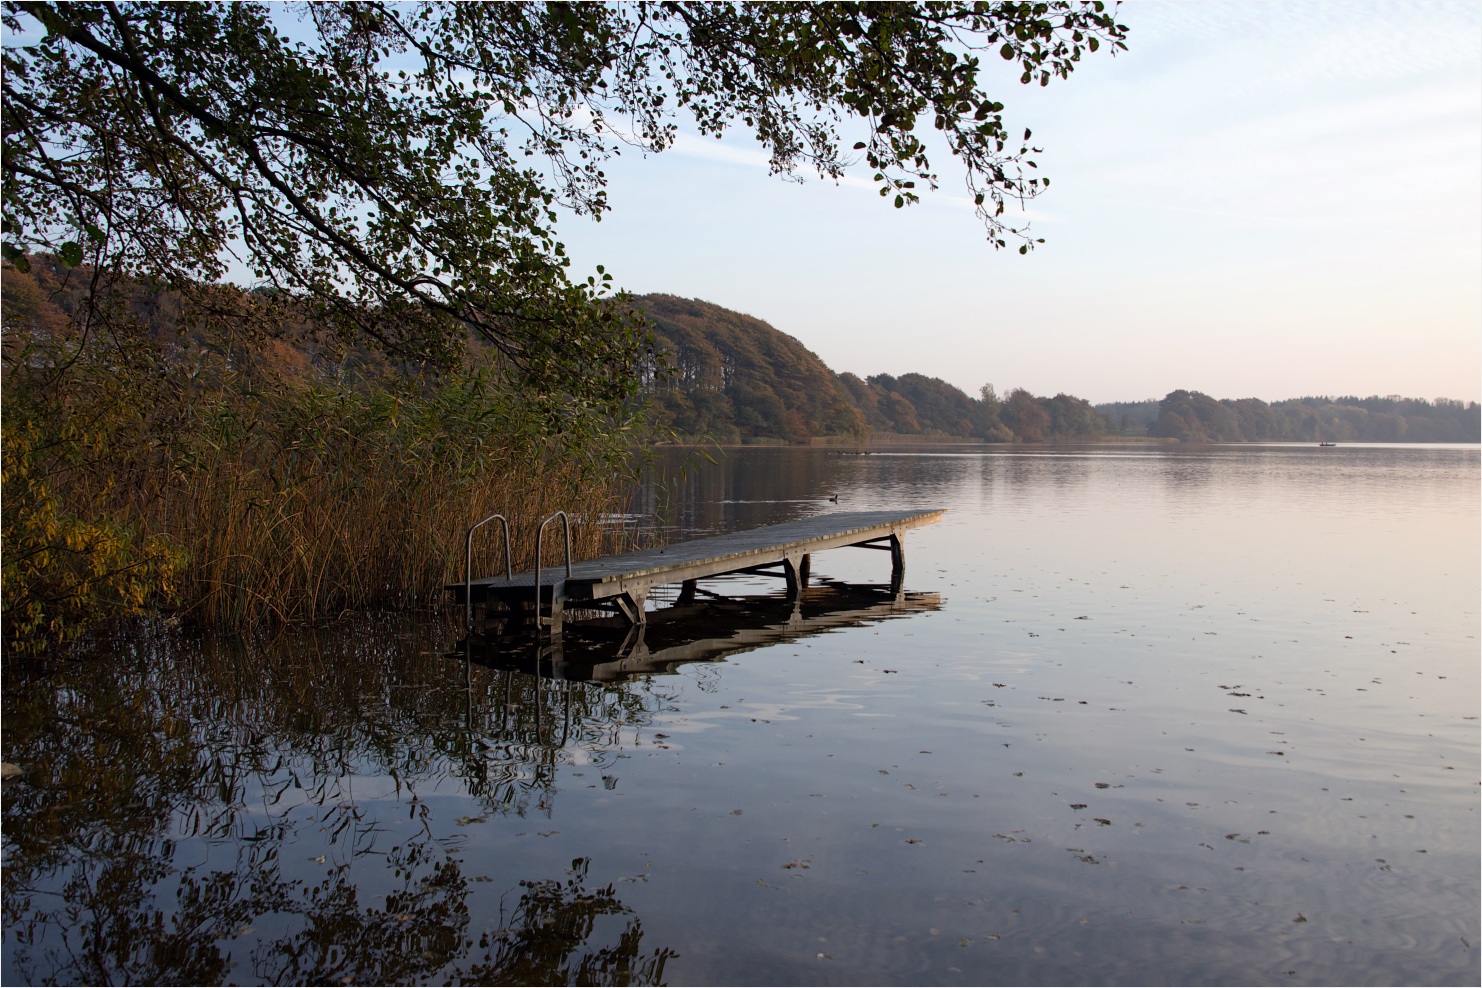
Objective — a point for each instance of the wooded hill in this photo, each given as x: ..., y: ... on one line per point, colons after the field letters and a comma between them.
x: 738, y: 379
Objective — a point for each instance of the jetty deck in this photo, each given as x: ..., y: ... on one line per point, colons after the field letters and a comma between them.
x: 622, y: 583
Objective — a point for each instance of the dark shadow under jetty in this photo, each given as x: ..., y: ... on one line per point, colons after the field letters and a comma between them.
x: 612, y: 649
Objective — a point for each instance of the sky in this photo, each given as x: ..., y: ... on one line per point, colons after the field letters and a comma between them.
x: 1255, y: 200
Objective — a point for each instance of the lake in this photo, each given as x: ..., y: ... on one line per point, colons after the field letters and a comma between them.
x: 1143, y: 714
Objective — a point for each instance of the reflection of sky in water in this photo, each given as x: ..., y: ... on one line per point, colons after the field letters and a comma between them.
x: 1184, y: 715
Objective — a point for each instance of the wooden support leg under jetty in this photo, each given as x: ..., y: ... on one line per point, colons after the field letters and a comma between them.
x: 796, y: 571
x: 686, y: 592
x: 897, y: 550
x: 631, y: 603
x: 897, y: 565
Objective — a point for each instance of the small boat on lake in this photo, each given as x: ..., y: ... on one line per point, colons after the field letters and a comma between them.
x: 1327, y: 444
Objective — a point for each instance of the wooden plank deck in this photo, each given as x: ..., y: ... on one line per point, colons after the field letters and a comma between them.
x: 623, y: 582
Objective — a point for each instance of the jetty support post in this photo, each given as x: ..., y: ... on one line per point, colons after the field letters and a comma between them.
x: 897, y: 564
x: 795, y: 569
x: 631, y: 604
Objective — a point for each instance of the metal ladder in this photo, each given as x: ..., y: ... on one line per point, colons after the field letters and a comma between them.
x: 558, y: 588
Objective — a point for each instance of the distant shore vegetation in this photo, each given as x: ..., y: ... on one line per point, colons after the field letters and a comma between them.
x: 1190, y: 416
x: 737, y: 379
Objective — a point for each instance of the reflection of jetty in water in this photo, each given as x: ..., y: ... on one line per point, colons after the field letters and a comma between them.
x: 609, y: 649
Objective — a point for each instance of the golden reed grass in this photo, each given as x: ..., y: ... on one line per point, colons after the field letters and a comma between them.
x: 230, y: 497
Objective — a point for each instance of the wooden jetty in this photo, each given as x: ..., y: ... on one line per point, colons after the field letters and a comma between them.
x: 622, y: 583
x: 706, y: 631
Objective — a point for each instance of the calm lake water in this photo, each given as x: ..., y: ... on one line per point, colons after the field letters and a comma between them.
x: 1144, y: 715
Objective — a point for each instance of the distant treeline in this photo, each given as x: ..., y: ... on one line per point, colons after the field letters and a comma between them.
x: 737, y: 379
x: 1194, y: 417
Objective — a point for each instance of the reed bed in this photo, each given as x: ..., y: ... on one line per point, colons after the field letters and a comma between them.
x: 221, y: 493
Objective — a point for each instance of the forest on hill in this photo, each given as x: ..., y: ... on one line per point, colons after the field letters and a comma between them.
x: 737, y: 379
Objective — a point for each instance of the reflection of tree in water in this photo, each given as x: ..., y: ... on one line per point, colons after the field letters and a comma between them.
x: 116, y: 925
x: 537, y: 943
x: 133, y: 758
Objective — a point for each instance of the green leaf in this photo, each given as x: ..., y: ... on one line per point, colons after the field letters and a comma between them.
x: 16, y: 257
x: 71, y: 254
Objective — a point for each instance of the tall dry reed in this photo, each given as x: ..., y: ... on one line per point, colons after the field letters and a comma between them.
x: 231, y: 495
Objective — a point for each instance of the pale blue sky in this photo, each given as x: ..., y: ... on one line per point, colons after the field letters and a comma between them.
x: 1257, y: 199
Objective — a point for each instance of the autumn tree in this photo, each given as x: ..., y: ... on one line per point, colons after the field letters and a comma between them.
x: 1024, y: 414
x: 397, y: 169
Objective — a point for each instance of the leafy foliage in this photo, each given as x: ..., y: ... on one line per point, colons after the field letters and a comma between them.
x: 400, y: 166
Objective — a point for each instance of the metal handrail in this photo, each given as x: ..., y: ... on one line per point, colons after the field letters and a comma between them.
x: 468, y: 561
x: 539, y: 541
